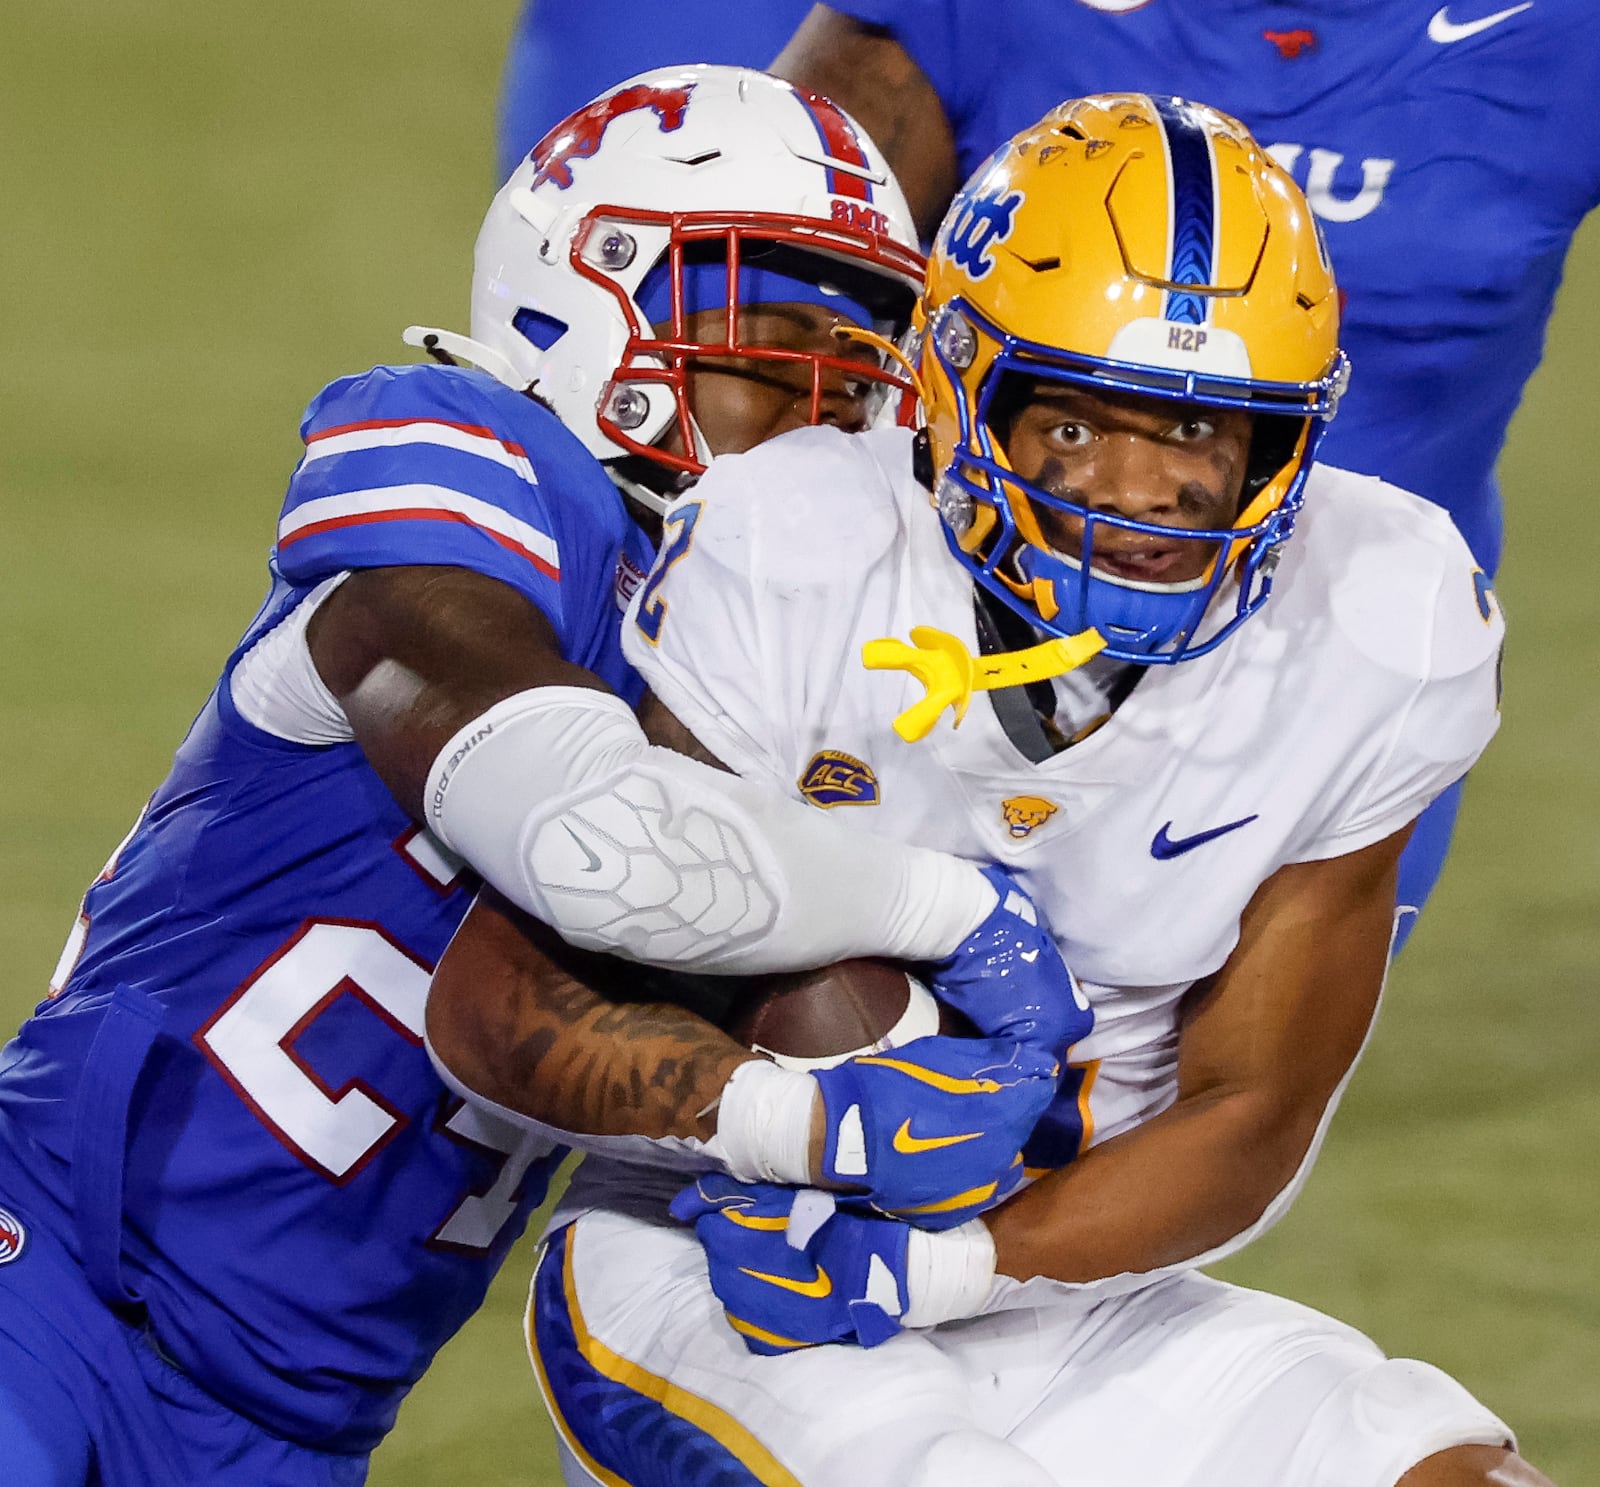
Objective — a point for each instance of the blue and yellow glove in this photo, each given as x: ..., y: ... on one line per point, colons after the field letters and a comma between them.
x: 932, y: 1131
x: 791, y: 1270
x: 1009, y: 980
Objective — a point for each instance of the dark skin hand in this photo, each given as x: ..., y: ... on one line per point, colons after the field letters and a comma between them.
x: 872, y: 77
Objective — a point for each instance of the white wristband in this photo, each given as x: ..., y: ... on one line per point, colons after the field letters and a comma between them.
x: 764, y: 1124
x: 949, y: 1273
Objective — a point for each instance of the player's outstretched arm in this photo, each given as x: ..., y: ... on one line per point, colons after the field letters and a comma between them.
x: 1263, y: 1054
x: 868, y: 74
x: 457, y: 691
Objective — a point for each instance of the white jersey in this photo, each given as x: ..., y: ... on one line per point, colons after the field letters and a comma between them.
x: 1366, y: 685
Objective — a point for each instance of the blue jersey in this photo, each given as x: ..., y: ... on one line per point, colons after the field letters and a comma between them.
x: 565, y: 52
x: 229, y: 1092
x: 1449, y: 157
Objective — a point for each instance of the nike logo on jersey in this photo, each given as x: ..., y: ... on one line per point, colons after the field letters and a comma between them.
x: 820, y: 1285
x: 584, y: 847
x: 1444, y: 31
x: 1163, y: 846
x: 909, y: 1145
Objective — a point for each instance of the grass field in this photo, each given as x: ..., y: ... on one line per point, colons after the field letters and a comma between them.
x: 211, y: 210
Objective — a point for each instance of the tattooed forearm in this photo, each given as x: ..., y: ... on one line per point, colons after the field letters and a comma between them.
x: 864, y: 70
x: 563, y: 1036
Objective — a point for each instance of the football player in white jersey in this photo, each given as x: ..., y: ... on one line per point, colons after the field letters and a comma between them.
x: 1128, y: 353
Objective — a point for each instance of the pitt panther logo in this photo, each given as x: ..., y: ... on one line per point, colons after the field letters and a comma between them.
x: 832, y: 778
x: 1024, y: 814
x: 984, y: 221
x: 578, y: 137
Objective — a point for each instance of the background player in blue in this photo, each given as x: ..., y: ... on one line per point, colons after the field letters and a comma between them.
x: 1450, y: 152
x: 241, y: 1212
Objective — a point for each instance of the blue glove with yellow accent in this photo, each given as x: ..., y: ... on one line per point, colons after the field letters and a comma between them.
x: 793, y: 1269
x: 1008, y: 978
x: 932, y: 1131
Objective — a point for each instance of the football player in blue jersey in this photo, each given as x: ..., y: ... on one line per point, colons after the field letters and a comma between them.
x: 239, y: 1209
x: 1449, y: 256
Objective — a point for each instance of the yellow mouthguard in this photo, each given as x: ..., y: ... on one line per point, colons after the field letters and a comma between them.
x: 951, y: 673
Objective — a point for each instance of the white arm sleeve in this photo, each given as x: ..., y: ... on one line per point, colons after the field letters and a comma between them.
x: 556, y: 796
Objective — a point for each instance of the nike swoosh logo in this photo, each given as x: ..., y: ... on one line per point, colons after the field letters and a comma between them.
x: 1164, y: 846
x: 960, y: 1200
x: 821, y: 1285
x: 584, y: 847
x: 1444, y: 31
x: 947, y: 1083
x: 770, y: 1223
x: 910, y: 1145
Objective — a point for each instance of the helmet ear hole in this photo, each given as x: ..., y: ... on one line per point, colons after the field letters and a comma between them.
x: 537, y: 327
x: 1274, y: 440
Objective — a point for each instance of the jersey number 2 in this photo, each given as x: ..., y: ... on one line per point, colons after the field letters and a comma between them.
x: 677, y: 538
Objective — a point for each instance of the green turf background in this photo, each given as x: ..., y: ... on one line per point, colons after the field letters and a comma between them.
x: 209, y: 210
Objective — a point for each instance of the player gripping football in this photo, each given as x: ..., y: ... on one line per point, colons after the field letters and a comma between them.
x: 1193, y: 691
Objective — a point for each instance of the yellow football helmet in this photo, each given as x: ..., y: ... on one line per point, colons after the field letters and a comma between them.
x: 1128, y: 244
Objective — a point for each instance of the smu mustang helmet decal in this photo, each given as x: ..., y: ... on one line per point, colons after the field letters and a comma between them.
x: 579, y: 136
x: 1133, y: 245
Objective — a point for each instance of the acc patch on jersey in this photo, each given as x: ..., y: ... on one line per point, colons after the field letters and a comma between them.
x: 12, y: 1236
x: 1025, y: 813
x: 833, y: 778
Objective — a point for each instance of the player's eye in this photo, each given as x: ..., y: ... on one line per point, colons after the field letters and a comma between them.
x: 1073, y: 435
x: 1193, y: 430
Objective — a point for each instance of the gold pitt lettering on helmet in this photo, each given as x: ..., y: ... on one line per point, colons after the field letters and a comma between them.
x: 834, y: 778
x: 1023, y: 814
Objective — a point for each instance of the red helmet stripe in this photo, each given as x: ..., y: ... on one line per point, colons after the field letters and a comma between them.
x: 841, y: 142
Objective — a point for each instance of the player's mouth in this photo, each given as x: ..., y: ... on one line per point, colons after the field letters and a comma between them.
x: 1146, y: 559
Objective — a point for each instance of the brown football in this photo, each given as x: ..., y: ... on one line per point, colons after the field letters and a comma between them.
x: 809, y: 1019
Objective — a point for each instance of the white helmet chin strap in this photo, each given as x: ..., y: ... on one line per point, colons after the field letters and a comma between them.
x: 464, y: 348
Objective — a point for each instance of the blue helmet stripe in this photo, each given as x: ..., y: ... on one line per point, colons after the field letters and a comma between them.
x: 1193, y: 209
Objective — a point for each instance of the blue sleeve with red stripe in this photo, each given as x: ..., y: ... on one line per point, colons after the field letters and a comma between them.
x: 441, y: 466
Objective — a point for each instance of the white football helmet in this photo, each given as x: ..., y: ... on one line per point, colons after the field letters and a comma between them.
x: 682, y: 188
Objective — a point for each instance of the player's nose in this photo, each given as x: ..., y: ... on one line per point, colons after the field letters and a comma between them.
x: 1132, y: 478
